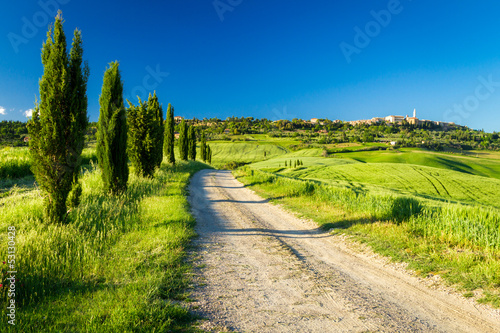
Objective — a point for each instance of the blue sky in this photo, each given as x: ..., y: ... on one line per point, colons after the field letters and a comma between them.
x: 343, y: 60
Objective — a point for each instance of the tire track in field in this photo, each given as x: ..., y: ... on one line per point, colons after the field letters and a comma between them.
x: 430, y: 181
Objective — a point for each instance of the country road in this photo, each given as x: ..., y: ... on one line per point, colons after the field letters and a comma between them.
x: 262, y: 269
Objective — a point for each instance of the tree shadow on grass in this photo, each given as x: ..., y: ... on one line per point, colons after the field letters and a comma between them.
x: 347, y: 223
x: 48, y: 289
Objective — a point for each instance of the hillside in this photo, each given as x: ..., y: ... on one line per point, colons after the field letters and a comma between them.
x: 423, y: 174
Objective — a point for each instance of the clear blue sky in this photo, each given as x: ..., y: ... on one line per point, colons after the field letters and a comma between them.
x: 273, y: 59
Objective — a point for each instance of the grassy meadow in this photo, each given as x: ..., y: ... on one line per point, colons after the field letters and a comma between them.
x: 116, y: 266
x: 224, y: 153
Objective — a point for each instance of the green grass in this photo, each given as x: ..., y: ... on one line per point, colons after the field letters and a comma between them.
x: 223, y: 153
x: 487, y: 167
x: 116, y: 266
x: 15, y: 162
x: 422, y: 181
x: 461, y: 243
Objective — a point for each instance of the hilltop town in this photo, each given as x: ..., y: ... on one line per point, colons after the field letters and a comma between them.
x: 400, y: 119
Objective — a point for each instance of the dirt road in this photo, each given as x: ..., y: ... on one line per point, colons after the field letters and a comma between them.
x: 261, y: 269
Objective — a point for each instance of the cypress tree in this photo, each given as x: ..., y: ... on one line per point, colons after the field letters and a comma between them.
x: 59, y: 121
x: 192, y: 143
x: 183, y: 141
x: 141, y: 138
x: 203, y: 148
x: 168, y: 145
x: 157, y: 128
x: 112, y: 132
x: 209, y: 154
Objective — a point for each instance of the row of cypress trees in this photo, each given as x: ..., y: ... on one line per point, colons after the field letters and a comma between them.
x: 206, y: 152
x: 187, y: 142
x: 59, y: 122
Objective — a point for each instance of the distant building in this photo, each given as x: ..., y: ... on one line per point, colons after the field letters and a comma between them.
x: 178, y: 119
x: 444, y: 124
x: 394, y: 119
x: 227, y: 131
x: 314, y: 120
x: 26, y: 139
x: 176, y: 135
x: 412, y: 120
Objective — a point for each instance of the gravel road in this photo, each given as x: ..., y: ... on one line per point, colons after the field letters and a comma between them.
x: 259, y: 268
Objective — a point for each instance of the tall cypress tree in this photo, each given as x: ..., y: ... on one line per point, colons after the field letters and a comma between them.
x: 203, y: 147
x: 183, y: 141
x: 168, y: 144
x: 192, y: 143
x: 59, y: 121
x: 112, y: 132
x: 209, y: 154
x: 157, y: 128
x: 141, y: 143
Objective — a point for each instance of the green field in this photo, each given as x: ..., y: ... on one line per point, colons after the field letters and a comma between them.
x: 223, y: 153
x: 417, y: 173
x: 487, y: 165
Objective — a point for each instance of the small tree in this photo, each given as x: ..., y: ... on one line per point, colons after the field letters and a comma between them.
x: 183, y: 141
x: 157, y: 128
x: 141, y: 135
x: 58, y: 124
x: 203, y: 147
x: 168, y: 148
x: 286, y: 164
x: 112, y: 132
x: 192, y: 143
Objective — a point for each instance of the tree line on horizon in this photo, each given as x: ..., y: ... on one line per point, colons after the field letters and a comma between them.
x: 59, y: 123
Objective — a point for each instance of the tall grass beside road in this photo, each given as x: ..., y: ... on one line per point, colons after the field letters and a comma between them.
x: 116, y: 266
x: 460, y: 243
